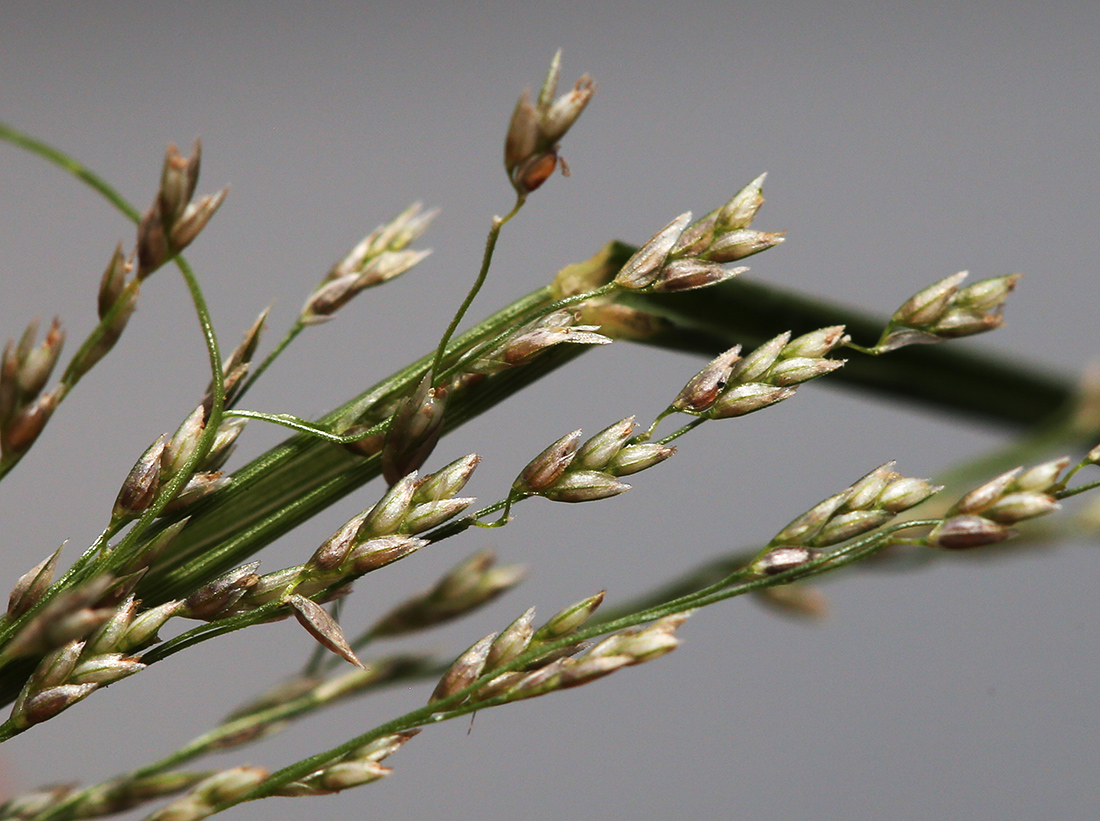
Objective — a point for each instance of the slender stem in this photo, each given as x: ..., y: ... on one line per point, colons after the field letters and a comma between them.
x: 676, y: 434
x: 289, y: 337
x: 67, y: 163
x: 486, y: 261
x: 519, y: 322
x: 455, y: 705
x: 1073, y: 491
x: 259, y: 723
x: 302, y: 426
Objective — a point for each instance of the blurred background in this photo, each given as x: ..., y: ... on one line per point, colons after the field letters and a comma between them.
x: 903, y: 141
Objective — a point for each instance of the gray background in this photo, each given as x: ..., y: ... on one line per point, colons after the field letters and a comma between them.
x: 904, y: 142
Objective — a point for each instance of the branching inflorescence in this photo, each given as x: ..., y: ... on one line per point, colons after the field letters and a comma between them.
x: 178, y: 541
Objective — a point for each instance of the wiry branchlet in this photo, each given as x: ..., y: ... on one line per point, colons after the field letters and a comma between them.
x: 414, y: 430
x: 113, y: 281
x: 566, y: 621
x: 199, y: 803
x: 465, y: 670
x: 946, y: 311
x: 32, y: 584
x: 174, y: 220
x: 472, y: 583
x: 534, y: 338
x: 323, y: 627
x: 212, y: 599
x: 531, y: 144
x: 379, y: 257
x: 141, y: 485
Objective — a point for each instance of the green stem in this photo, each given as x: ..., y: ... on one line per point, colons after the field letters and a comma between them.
x: 252, y: 725
x: 1074, y: 491
x: 486, y: 262
x: 454, y: 705
x: 289, y: 337
x: 302, y: 426
x: 67, y: 163
x: 949, y: 376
